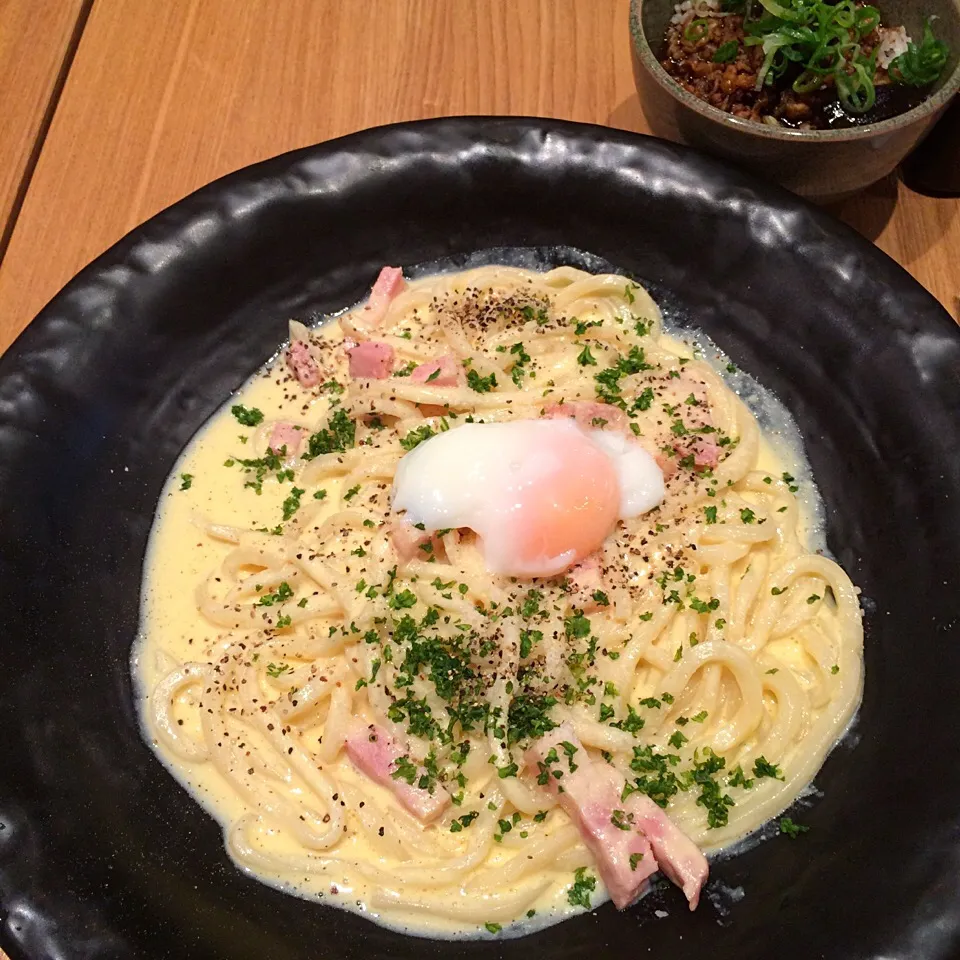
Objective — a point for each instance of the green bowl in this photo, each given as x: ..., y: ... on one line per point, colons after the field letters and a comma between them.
x: 824, y: 165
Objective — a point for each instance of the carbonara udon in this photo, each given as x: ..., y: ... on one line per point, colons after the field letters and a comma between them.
x: 619, y: 650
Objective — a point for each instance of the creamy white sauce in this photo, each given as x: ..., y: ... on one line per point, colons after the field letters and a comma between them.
x: 180, y: 555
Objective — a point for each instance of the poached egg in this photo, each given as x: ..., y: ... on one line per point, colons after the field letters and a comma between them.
x: 541, y: 494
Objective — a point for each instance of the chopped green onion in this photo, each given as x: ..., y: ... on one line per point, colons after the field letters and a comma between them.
x: 920, y: 65
x: 696, y: 30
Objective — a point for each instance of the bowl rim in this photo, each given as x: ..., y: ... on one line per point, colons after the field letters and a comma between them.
x: 922, y: 111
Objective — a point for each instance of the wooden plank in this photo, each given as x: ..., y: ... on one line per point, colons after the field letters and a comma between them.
x: 165, y: 97
x: 162, y: 98
x: 35, y: 42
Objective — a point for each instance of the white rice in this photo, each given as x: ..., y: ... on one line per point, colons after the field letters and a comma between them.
x: 698, y: 8
x: 893, y: 42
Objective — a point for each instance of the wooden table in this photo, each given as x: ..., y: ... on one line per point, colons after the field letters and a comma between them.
x: 113, y: 109
x: 160, y: 98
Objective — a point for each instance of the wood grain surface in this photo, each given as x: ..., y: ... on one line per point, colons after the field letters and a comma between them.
x: 163, y: 97
x: 35, y: 40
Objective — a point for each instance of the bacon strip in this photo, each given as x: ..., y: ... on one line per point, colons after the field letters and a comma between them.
x: 679, y: 857
x: 589, y: 792
x: 374, y: 752
x: 616, y: 830
x: 388, y: 284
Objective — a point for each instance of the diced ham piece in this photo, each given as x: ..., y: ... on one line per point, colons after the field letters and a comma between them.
x: 668, y: 465
x: 446, y: 371
x: 591, y: 798
x: 387, y: 285
x: 301, y: 362
x: 586, y: 578
x: 374, y: 752
x: 706, y: 454
x: 371, y: 360
x: 586, y: 412
x: 285, y: 435
x: 679, y: 857
x: 407, y: 541
x: 590, y: 795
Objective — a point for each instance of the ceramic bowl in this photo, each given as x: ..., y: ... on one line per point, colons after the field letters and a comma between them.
x: 823, y: 165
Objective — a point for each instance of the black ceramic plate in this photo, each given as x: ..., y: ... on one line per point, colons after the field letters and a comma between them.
x: 103, y: 855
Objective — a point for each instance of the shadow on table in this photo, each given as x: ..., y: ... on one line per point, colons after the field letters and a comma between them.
x: 628, y: 116
x: 867, y: 212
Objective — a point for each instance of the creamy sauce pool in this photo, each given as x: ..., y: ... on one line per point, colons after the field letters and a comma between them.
x: 180, y: 555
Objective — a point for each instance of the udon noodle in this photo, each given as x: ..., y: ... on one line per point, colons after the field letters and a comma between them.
x: 714, y: 665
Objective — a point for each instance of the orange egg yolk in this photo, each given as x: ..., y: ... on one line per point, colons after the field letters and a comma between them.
x: 566, y: 515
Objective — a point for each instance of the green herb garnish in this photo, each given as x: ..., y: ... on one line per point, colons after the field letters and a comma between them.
x: 248, y: 416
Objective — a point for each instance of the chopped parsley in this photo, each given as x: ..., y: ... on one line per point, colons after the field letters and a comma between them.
x: 645, y: 399
x: 416, y: 437
x: 656, y: 778
x: 608, y: 380
x: 403, y: 600
x: 583, y: 886
x: 292, y: 504
x: 481, y: 384
x: 761, y: 768
x: 283, y: 592
x: 711, y: 798
x: 738, y: 779
x: 248, y: 416
x: 406, y: 770
x: 586, y: 358
x: 493, y: 927
x: 527, y: 639
x: 632, y: 723
x: 791, y: 829
x: 338, y: 436
x: 528, y: 717
x: 277, y: 669
x: 461, y: 822
x: 521, y: 359
x: 577, y: 626
x: 701, y: 606
x: 186, y: 481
